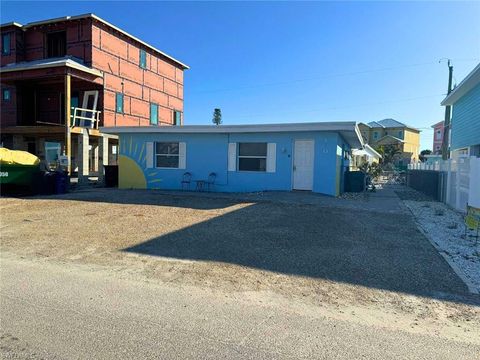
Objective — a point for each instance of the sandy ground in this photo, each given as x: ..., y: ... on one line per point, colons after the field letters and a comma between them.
x: 131, y: 234
x: 53, y: 311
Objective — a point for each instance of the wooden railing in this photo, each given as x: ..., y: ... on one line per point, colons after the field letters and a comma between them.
x: 85, y: 118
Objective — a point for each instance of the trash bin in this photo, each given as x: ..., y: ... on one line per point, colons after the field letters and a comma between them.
x: 111, y: 175
x: 18, y: 179
x: 61, y: 182
x: 48, y: 183
x: 354, y: 181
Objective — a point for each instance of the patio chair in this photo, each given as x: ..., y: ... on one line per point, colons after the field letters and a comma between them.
x: 186, y: 180
x: 211, y: 180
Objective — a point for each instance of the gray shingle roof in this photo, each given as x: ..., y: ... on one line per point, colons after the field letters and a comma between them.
x: 389, y: 123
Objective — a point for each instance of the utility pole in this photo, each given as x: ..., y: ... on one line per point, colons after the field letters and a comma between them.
x: 446, y: 123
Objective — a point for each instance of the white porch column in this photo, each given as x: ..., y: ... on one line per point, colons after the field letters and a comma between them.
x: 102, y: 156
x: 68, y: 135
x: 82, y: 157
x: 95, y: 155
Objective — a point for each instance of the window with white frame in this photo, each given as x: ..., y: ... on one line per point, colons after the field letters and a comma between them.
x: 167, y: 155
x: 375, y: 134
x: 252, y: 156
x: 438, y: 135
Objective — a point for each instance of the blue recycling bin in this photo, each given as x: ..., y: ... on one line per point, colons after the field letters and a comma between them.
x: 62, y: 182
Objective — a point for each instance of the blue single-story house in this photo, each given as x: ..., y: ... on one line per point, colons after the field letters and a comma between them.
x: 244, y: 158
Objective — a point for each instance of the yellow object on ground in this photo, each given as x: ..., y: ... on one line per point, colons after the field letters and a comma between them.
x: 473, y: 218
x: 17, y: 157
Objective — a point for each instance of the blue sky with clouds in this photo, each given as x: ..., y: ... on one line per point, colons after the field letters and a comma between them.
x: 264, y: 62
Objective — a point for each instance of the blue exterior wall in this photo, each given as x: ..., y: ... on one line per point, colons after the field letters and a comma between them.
x: 466, y: 120
x: 206, y: 153
x: 342, y: 163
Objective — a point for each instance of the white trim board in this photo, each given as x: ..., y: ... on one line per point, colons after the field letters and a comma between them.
x: 347, y: 129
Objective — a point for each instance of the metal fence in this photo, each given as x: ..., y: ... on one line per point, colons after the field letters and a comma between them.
x: 458, y: 181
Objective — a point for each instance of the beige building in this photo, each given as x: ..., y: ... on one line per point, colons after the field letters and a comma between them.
x: 393, y: 132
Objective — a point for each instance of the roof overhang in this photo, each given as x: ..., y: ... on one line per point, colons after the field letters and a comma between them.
x: 372, y: 152
x: 389, y: 137
x: 11, y: 23
x: 467, y: 84
x: 49, y: 63
x: 368, y: 151
x: 99, y: 19
x: 348, y: 130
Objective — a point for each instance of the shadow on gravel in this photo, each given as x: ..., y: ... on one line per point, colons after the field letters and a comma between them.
x: 141, y: 197
x: 375, y: 250
x: 372, y: 248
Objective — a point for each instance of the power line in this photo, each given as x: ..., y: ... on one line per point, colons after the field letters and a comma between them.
x: 310, y: 78
x: 339, y: 107
x: 279, y: 83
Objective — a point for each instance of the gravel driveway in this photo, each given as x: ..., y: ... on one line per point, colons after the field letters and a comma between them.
x: 336, y: 252
x: 355, y: 247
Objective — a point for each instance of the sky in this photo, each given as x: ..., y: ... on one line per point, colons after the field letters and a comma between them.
x: 276, y: 62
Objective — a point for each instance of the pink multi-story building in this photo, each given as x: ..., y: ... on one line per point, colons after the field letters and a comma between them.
x: 64, y: 78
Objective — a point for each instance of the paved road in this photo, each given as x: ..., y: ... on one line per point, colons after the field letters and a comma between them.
x: 56, y: 311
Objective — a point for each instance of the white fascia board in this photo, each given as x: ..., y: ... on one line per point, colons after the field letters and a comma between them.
x: 75, y: 65
x: 372, y: 151
x: 326, y: 126
x: 359, y: 134
x: 348, y: 130
x: 11, y: 23
x: 185, y: 66
x: 49, y: 21
x: 66, y: 62
x: 467, y: 84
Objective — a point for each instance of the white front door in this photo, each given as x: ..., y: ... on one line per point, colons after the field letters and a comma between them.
x: 303, y: 165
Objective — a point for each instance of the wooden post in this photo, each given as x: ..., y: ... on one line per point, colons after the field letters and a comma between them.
x: 446, y: 122
x: 68, y: 137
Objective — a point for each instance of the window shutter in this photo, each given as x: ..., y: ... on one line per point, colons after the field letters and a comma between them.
x: 271, y: 157
x: 232, y: 156
x: 182, y: 155
x: 149, y: 155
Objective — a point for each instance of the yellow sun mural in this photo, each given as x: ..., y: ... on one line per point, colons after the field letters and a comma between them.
x: 133, y: 171
x: 130, y: 174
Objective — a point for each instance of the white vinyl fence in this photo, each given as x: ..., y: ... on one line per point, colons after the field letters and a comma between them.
x: 460, y: 181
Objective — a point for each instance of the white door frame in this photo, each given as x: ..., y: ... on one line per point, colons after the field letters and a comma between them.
x: 293, y: 162
x: 86, y: 94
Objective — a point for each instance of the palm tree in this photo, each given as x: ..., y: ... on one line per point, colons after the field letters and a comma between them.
x: 389, y: 153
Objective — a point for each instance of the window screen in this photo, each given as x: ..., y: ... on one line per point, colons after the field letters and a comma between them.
x: 167, y: 154
x: 252, y: 156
